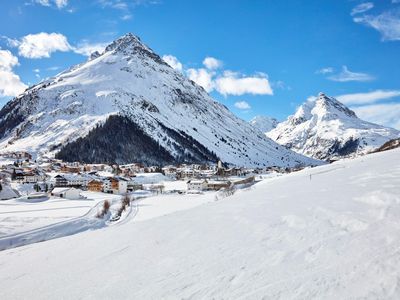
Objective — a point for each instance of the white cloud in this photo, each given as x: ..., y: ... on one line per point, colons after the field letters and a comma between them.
x: 126, y: 17
x: 7, y: 60
x: 326, y: 70
x: 42, y: 44
x: 55, y: 68
x: 387, y: 23
x: 58, y: 3
x: 367, y: 98
x: 125, y: 7
x: 10, y: 42
x: 312, y: 98
x: 43, y: 2
x: 242, y: 105
x: 232, y: 83
x: 225, y: 82
x: 280, y: 85
x: 202, y: 77
x: 10, y: 83
x: 212, y: 63
x: 61, y: 3
x: 347, y: 75
x: 173, y: 62
x: 361, y: 8
x: 384, y: 114
x: 86, y: 48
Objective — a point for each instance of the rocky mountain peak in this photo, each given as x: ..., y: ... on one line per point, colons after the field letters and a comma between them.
x: 325, y: 128
x: 125, y: 41
x: 131, y: 45
x: 94, y: 55
x: 330, y: 105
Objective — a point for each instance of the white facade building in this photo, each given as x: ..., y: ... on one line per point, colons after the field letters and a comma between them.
x: 197, y: 185
x: 67, y: 193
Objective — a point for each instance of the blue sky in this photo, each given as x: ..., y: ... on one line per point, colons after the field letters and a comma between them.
x: 265, y: 57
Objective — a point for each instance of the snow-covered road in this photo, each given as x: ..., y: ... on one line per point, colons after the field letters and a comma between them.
x: 334, y: 236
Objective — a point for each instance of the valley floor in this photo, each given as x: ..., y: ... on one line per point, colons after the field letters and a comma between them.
x: 331, y: 232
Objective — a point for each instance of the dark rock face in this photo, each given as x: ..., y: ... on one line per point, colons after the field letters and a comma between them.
x: 13, y: 113
x: 120, y: 140
x: 342, y: 149
x: 392, y: 144
x: 188, y: 149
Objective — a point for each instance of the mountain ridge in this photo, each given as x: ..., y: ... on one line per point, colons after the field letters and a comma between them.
x: 264, y: 123
x: 324, y: 128
x: 130, y: 80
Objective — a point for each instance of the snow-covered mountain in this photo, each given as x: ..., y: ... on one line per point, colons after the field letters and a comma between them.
x: 126, y: 104
x: 264, y: 123
x: 324, y: 128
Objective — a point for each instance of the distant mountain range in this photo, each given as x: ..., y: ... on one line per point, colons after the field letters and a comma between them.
x: 326, y: 129
x: 264, y: 123
x: 128, y: 105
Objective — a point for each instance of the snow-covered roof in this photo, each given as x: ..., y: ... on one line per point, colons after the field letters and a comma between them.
x: 7, y: 192
x: 59, y: 190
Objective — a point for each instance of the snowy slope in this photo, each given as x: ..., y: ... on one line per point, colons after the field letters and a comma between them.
x: 326, y: 129
x: 130, y: 80
x: 264, y: 123
x: 334, y: 234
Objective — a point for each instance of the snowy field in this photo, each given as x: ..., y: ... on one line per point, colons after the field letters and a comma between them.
x: 162, y: 205
x: 24, y: 221
x: 331, y: 232
x: 20, y: 215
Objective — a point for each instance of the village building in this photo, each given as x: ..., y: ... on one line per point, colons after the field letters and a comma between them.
x: 71, y: 180
x: 22, y: 155
x: 33, y: 176
x: 67, y: 193
x: 245, y: 181
x: 134, y: 186
x: 170, y: 171
x: 95, y: 185
x: 197, y: 185
x: 185, y: 173
x: 94, y: 167
x: 115, y: 185
x: 71, y: 169
x: 216, y: 185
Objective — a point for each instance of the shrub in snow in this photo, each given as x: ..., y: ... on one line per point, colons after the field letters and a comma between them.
x: 104, y: 210
x: 126, y: 201
x: 225, y: 192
